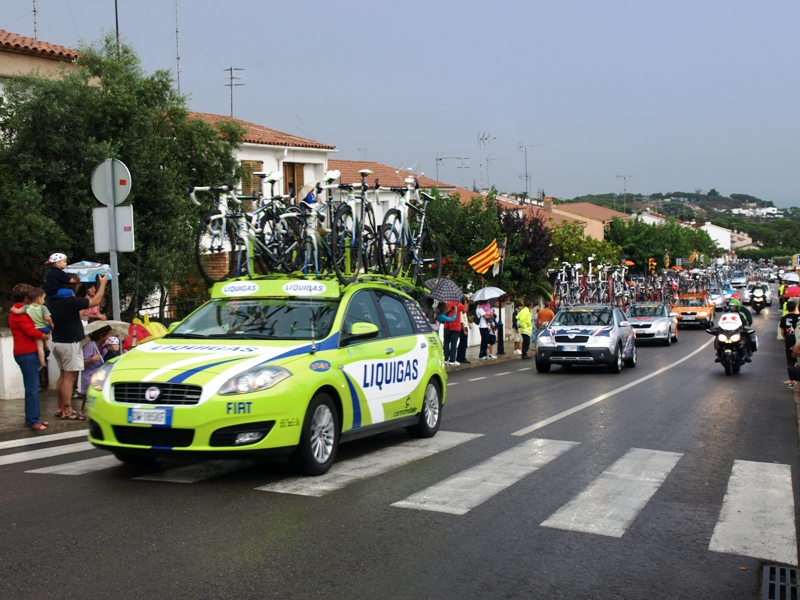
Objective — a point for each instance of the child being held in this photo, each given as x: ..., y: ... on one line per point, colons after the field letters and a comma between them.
x: 40, y: 315
x: 56, y: 277
x: 111, y: 348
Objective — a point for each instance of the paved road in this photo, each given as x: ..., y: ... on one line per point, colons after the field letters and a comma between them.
x: 670, y: 480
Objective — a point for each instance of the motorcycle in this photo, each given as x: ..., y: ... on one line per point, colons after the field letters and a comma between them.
x: 731, y: 343
x: 757, y: 300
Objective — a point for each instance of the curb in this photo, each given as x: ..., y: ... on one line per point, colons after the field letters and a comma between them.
x: 483, y: 363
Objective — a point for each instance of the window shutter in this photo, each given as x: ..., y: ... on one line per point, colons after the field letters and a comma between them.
x: 299, y: 176
x: 250, y: 182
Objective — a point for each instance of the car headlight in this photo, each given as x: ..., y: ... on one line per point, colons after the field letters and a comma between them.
x: 702, y: 315
x: 599, y: 340
x: 254, y: 380
x: 100, y: 376
x: 661, y: 326
x: 545, y: 339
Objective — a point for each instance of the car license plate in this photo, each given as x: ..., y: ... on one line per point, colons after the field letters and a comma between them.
x: 570, y: 348
x: 150, y: 416
x: 688, y: 318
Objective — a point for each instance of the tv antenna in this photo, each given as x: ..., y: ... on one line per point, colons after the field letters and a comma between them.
x: 624, y: 189
x: 489, y: 161
x: 364, y: 150
x: 440, y: 158
x: 35, y: 30
x: 232, y: 78
x: 178, y: 53
x: 524, y: 148
x: 484, y: 139
x: 464, y: 165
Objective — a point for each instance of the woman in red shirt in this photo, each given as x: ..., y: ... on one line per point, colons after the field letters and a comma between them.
x: 26, y: 355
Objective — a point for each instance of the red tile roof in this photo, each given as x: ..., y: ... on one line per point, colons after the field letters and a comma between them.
x: 11, y: 42
x: 386, y: 175
x: 591, y: 211
x: 257, y: 134
x: 551, y: 219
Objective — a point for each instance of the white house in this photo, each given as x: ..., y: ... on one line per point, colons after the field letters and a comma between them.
x: 720, y: 235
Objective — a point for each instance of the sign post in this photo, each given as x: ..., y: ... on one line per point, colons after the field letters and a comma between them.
x: 111, y: 184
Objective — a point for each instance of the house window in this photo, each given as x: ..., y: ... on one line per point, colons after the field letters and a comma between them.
x: 293, y: 178
x: 251, y: 183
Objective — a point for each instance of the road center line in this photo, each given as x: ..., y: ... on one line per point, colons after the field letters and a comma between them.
x: 476, y: 378
x: 503, y: 373
x: 454, y: 383
x: 602, y: 397
x: 525, y: 369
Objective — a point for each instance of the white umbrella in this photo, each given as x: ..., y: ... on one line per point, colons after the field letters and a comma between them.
x: 118, y: 328
x: 487, y: 293
x: 791, y: 277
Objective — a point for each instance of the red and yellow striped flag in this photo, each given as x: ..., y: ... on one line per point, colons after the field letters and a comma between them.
x: 485, y: 258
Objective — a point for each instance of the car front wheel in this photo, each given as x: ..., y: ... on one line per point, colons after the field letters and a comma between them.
x: 319, y: 438
x: 616, y: 366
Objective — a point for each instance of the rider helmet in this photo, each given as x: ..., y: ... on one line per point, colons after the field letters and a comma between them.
x: 733, y: 303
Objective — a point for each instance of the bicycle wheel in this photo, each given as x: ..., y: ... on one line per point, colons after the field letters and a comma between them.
x: 346, y: 248
x: 369, y: 244
x: 390, y: 243
x: 214, y: 247
x: 428, y: 261
x: 288, y: 248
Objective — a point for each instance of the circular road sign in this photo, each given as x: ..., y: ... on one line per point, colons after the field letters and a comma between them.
x: 121, y: 178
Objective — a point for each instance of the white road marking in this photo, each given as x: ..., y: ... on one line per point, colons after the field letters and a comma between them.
x: 611, y: 502
x: 757, y: 516
x: 80, y: 467
x: 369, y: 465
x: 476, y: 378
x: 607, y: 395
x: 198, y: 471
x: 449, y: 384
x: 10, y: 459
x: 503, y: 373
x: 464, y: 491
x: 525, y: 369
x: 43, y: 439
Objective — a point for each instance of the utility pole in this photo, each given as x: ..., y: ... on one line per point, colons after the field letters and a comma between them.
x: 35, y: 30
x: 624, y: 187
x: 462, y: 167
x: 484, y: 139
x: 177, y: 51
x: 440, y: 158
x: 489, y: 161
x: 365, y: 151
x: 232, y: 79
x: 524, y: 148
x: 116, y: 18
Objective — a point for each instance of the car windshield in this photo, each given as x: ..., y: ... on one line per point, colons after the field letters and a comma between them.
x: 583, y: 317
x: 690, y: 302
x: 260, y: 319
x: 646, y: 311
x: 714, y: 291
x: 738, y: 274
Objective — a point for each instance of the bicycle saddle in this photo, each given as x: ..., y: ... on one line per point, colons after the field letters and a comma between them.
x: 365, y: 172
x: 332, y: 175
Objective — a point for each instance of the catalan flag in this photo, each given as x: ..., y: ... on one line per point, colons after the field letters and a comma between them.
x: 485, y: 258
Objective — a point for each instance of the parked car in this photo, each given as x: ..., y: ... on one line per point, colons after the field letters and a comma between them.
x: 653, y: 321
x: 587, y: 335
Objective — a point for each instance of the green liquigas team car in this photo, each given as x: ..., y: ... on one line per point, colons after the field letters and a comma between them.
x: 274, y: 366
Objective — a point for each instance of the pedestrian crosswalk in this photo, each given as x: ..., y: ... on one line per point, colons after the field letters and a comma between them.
x: 756, y: 515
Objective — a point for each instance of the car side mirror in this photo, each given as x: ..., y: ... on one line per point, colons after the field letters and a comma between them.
x: 625, y: 324
x: 711, y: 331
x: 673, y: 314
x: 172, y: 326
x: 360, y: 330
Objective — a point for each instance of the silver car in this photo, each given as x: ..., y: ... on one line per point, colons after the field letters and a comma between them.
x: 653, y: 321
x: 587, y: 335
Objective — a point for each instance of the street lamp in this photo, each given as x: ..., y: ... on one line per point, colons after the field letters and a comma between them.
x: 501, y: 251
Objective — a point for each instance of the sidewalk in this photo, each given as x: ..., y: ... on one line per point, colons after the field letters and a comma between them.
x: 12, y: 412
x: 12, y: 417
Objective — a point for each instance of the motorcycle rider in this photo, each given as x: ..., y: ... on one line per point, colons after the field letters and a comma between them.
x: 735, y: 305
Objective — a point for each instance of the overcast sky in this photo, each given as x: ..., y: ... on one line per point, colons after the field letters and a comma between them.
x: 680, y: 94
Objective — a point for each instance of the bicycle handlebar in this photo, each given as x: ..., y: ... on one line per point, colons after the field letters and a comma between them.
x: 213, y: 188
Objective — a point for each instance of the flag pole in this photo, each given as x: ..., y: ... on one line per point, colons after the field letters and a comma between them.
x: 501, y: 347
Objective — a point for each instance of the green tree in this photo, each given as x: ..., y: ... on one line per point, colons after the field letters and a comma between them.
x: 53, y: 131
x: 571, y: 245
x: 528, y: 252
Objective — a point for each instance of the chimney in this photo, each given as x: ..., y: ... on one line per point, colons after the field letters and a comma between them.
x: 548, y: 203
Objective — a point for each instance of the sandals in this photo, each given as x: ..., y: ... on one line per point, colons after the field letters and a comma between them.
x: 73, y: 416
x: 38, y: 427
x: 58, y: 414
